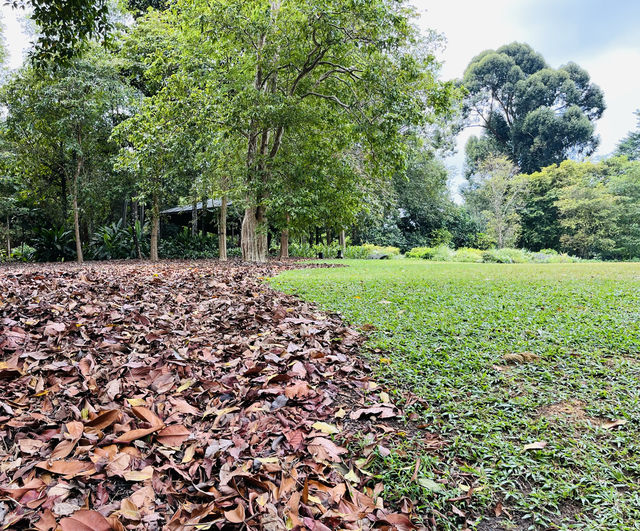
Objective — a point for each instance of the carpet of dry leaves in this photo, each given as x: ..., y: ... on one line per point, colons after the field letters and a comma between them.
x: 182, y: 396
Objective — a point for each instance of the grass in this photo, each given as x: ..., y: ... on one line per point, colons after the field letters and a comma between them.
x: 445, y: 328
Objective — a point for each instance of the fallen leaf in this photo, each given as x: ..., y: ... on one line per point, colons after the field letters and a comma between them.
x: 538, y: 445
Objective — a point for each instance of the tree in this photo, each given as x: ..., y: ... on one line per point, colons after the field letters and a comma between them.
x: 58, y: 123
x: 265, y: 70
x: 588, y: 214
x: 498, y: 191
x: 65, y: 26
x: 536, y: 115
x: 629, y: 146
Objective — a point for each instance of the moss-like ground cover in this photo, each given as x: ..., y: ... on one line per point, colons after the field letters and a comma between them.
x: 445, y: 329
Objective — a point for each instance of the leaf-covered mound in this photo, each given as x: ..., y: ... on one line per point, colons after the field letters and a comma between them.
x: 181, y: 396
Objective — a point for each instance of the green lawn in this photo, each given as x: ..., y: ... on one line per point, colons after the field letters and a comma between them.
x: 446, y: 328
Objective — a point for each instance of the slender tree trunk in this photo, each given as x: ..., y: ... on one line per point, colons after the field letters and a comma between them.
x: 155, y: 228
x: 8, y: 238
x: 136, y: 241
x: 76, y: 214
x: 194, y: 219
x: 222, y: 230
x: 125, y: 208
x: 343, y: 241
x: 284, y: 241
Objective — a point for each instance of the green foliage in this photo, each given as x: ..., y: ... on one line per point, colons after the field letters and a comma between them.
x: 584, y: 208
x: 505, y: 255
x: 446, y: 328
x: 65, y: 26
x: 184, y: 245
x: 54, y: 244
x: 365, y: 251
x: 534, y: 114
x: 116, y: 241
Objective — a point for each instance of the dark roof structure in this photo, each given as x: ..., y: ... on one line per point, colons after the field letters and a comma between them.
x: 211, y: 203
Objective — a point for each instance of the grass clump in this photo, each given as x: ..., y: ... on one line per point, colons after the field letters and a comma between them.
x: 506, y: 356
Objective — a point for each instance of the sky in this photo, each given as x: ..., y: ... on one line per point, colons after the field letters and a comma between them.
x: 602, y: 36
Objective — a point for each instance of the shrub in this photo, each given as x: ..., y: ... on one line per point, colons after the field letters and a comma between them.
x: 494, y: 256
x: 186, y: 246
x: 54, y: 245
x: 352, y: 251
x: 116, y: 241
x: 466, y: 254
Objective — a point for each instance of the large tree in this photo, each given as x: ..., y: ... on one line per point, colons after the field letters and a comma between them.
x: 534, y: 114
x: 57, y: 125
x: 267, y: 70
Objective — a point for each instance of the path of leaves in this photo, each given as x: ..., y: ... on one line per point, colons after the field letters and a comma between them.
x: 180, y: 396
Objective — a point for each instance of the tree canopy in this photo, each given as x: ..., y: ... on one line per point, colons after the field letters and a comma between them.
x: 534, y: 114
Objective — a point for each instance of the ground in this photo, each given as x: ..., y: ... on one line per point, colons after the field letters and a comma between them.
x: 530, y: 372
x: 184, y: 396
x: 194, y: 396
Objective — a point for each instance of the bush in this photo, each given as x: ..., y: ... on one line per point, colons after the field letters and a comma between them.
x: 54, y: 245
x: 352, y: 251
x: 494, y: 256
x: 186, y: 246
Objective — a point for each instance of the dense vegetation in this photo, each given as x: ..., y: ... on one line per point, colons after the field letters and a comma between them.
x: 529, y: 371
x: 311, y: 133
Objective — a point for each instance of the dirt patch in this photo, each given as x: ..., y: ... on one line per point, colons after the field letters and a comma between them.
x: 572, y: 410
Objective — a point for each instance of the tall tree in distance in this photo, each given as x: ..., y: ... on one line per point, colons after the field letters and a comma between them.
x: 534, y: 114
x: 498, y: 189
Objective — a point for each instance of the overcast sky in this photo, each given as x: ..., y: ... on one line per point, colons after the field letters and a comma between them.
x: 602, y: 36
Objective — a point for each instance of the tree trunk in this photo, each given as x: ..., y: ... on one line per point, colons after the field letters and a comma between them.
x: 222, y: 230
x: 194, y: 219
x: 343, y: 241
x: 125, y: 205
x: 136, y: 241
x: 254, y: 235
x: 8, y: 238
x: 284, y: 241
x: 76, y: 214
x: 155, y: 228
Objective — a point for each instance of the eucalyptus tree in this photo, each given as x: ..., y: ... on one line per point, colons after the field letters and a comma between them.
x: 534, y: 114
x: 266, y: 69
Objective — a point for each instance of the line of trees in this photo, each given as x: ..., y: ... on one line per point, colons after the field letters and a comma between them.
x: 313, y: 119
x: 299, y: 111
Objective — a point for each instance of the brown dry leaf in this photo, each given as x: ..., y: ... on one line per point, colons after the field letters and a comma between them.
x: 85, y: 520
x: 173, y: 435
x: 132, y: 435
x: 235, y: 516
x: 147, y: 415
x: 326, y: 450
x: 139, y: 475
x: 69, y: 469
x: 104, y: 419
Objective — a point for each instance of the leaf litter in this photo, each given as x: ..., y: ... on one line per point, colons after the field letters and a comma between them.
x: 182, y: 396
